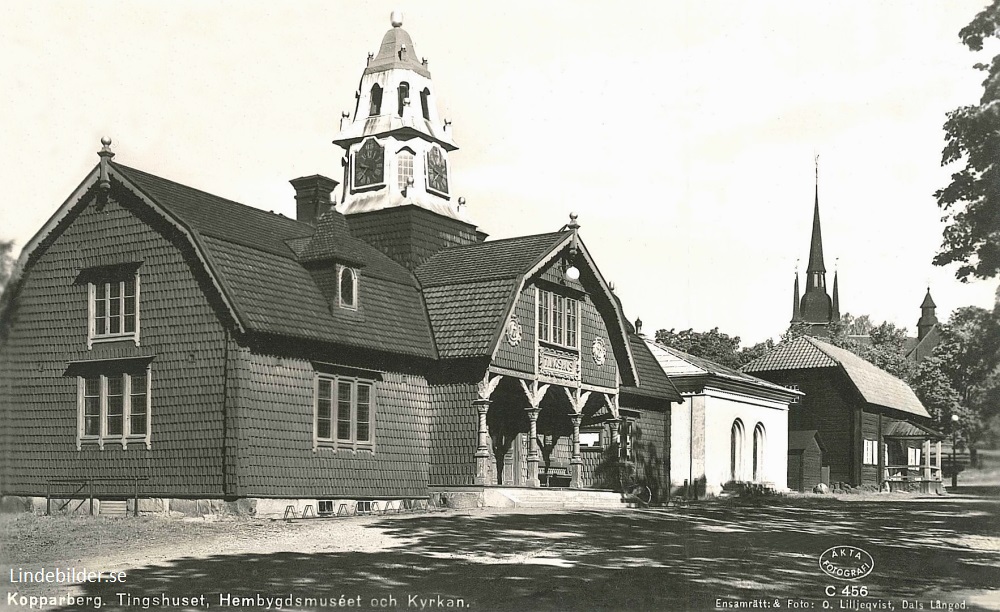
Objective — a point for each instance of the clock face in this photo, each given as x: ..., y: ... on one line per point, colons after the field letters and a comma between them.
x: 437, y: 171
x: 369, y: 164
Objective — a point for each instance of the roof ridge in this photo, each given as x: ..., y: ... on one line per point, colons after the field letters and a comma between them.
x: 457, y: 247
x: 209, y: 194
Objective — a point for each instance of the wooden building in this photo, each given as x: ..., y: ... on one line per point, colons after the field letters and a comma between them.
x: 873, y: 428
x: 375, y: 349
x: 805, y: 460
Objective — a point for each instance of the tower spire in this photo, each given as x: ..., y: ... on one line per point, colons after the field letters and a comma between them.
x: 816, y: 240
x: 928, y: 318
x: 836, y: 294
x: 796, y: 315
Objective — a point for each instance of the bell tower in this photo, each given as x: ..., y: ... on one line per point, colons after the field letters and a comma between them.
x: 397, y: 192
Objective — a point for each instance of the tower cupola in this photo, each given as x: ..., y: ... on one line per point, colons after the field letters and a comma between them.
x: 928, y: 318
x: 397, y: 193
x: 816, y: 307
x: 397, y: 146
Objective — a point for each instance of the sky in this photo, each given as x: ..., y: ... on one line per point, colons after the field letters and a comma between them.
x: 683, y: 134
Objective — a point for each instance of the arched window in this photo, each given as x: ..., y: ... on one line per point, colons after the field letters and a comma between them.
x: 425, y: 103
x: 375, y: 106
x: 348, y: 288
x: 758, y: 451
x: 404, y: 97
x: 736, y: 450
x: 404, y: 168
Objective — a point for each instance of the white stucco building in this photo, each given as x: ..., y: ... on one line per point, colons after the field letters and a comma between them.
x: 732, y: 427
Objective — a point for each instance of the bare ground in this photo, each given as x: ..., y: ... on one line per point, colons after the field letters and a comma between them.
x: 925, y: 550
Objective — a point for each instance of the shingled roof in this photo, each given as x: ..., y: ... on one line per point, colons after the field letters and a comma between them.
x: 683, y: 367
x: 875, y: 385
x: 274, y: 292
x: 467, y: 289
x: 653, y: 381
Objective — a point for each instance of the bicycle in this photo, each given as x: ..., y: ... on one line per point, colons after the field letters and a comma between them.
x: 632, y: 488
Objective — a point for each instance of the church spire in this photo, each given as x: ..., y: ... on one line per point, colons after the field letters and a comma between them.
x: 816, y: 241
x: 796, y: 315
x: 836, y: 297
x: 928, y: 319
x: 816, y: 307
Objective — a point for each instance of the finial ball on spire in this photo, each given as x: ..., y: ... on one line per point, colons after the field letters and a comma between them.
x: 396, y: 18
x: 106, y: 141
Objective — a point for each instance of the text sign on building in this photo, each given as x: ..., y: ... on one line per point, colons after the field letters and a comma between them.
x: 561, y: 364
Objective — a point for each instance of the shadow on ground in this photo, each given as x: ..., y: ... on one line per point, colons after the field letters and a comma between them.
x: 673, y: 559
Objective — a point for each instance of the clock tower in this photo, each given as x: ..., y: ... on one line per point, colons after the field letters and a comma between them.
x: 397, y: 191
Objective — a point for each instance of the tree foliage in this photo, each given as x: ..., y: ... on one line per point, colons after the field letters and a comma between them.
x: 6, y: 262
x: 713, y: 345
x: 971, y: 201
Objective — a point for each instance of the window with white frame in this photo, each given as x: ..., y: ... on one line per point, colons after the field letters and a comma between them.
x: 913, y: 457
x: 114, y: 408
x: 404, y: 168
x: 347, y: 282
x: 113, y: 308
x: 345, y: 412
x: 871, y: 452
x: 558, y: 319
x: 627, y: 435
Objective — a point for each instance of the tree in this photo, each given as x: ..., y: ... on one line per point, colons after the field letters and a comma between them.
x: 713, y: 345
x: 971, y: 201
x: 6, y: 262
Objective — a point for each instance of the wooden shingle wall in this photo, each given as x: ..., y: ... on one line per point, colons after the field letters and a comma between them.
x: 453, y: 434
x: 593, y: 327
x: 520, y: 358
x: 274, y: 433
x: 827, y: 407
x: 179, y: 329
x: 410, y: 234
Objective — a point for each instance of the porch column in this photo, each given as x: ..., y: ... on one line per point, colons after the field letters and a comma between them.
x: 926, y: 459
x: 576, y: 462
x: 615, y: 438
x: 937, y: 460
x: 533, y: 448
x: 483, y: 446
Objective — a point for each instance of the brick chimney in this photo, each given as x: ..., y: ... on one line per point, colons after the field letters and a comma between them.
x: 312, y: 197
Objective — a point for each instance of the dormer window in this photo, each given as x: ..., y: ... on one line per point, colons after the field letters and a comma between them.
x: 425, y: 103
x: 347, y: 283
x: 404, y: 97
x: 375, y: 105
x: 404, y: 168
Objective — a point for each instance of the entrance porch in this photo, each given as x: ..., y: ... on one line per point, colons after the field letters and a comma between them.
x: 908, y: 461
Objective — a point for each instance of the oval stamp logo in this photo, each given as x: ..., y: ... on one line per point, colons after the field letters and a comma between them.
x: 846, y: 562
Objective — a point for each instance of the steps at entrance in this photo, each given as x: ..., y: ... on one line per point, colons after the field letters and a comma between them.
x: 562, y: 498
x: 113, y: 508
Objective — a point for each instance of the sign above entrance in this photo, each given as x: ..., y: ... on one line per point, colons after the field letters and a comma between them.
x: 560, y: 364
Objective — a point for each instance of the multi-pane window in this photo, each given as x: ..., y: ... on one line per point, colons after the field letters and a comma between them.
x: 871, y: 452
x: 404, y: 169
x: 345, y: 412
x: 114, y: 408
x: 913, y: 456
x: 558, y: 319
x: 114, y: 309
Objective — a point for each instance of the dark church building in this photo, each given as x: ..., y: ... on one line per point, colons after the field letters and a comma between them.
x: 375, y: 349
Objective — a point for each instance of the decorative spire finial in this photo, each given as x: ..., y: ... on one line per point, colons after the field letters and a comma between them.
x: 572, y: 221
x: 105, y: 154
x: 816, y: 160
x: 396, y: 18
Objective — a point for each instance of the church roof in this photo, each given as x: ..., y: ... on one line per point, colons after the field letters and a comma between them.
x: 875, y: 385
x: 928, y: 300
x: 816, y: 242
